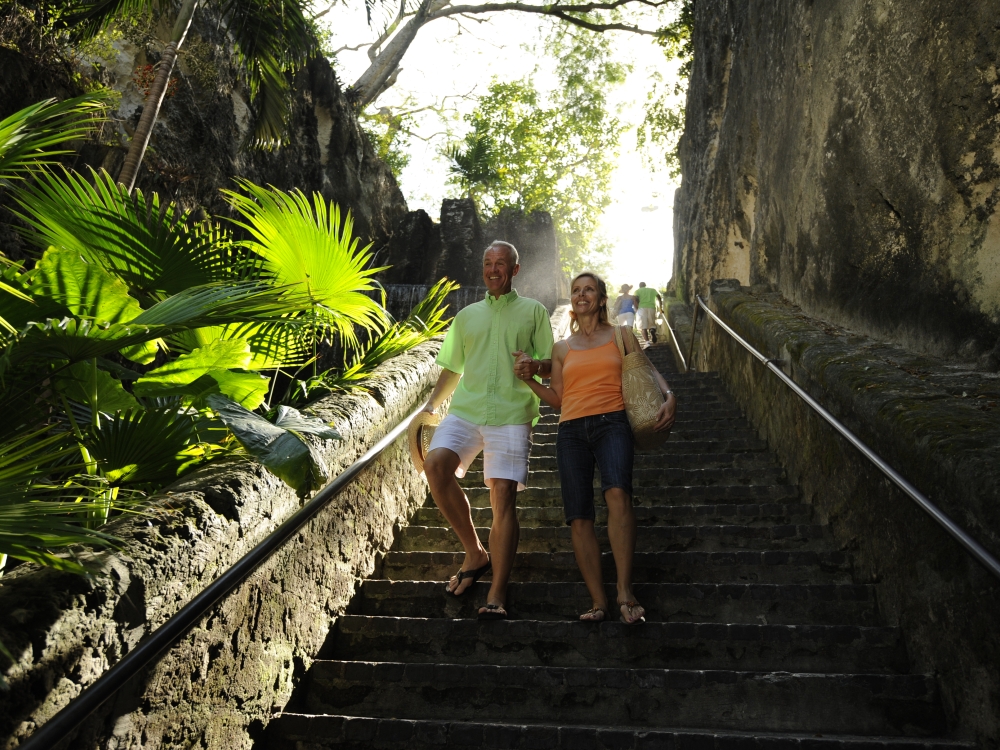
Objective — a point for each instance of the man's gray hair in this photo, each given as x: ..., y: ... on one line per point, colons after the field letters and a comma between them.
x: 511, y: 250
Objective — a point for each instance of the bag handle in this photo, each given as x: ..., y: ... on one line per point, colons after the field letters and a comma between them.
x: 618, y: 340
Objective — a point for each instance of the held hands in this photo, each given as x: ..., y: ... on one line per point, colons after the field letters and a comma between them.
x: 525, y: 368
x: 665, y: 416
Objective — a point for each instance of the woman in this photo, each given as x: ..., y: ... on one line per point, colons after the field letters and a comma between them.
x: 586, y: 385
x: 625, y: 306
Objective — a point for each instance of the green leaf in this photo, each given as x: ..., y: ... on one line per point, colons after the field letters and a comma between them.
x: 281, y: 446
x: 64, y: 281
x: 29, y: 138
x: 218, y: 355
x: 80, y: 381
x: 156, y: 250
x: 142, y: 446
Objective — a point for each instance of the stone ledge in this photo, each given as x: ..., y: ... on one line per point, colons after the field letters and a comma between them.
x: 220, y: 686
x: 911, y: 410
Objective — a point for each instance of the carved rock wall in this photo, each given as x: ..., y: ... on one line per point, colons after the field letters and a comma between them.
x: 220, y: 685
x: 846, y: 153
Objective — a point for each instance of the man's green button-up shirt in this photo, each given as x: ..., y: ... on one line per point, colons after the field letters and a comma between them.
x: 478, y: 346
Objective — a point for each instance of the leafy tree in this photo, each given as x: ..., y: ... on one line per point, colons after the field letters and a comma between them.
x: 473, y: 167
x: 658, y: 137
x: 553, y: 152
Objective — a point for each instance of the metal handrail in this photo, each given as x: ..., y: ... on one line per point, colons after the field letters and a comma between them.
x: 170, y: 632
x: 674, y: 340
x: 971, y: 545
x: 694, y: 330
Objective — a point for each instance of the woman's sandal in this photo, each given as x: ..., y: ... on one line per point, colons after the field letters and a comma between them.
x: 599, y: 615
x: 493, y: 612
x: 630, y: 605
x: 475, y: 575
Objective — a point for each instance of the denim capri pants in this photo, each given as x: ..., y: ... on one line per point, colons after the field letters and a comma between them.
x: 601, y: 439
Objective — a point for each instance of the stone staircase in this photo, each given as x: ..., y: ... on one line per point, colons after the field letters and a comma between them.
x: 757, y: 634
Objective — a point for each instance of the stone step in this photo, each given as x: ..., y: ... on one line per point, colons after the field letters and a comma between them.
x: 648, y: 539
x: 684, y: 420
x: 661, y: 515
x: 745, y: 566
x: 735, y: 494
x: 722, y: 699
x: 293, y: 731
x: 677, y: 645
x: 699, y: 410
x: 693, y: 460
x: 673, y: 447
x: 661, y: 477
x: 727, y: 603
x: 691, y: 431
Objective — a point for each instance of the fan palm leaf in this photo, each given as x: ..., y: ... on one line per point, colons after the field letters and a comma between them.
x: 31, y: 138
x: 306, y: 244
x: 155, y: 249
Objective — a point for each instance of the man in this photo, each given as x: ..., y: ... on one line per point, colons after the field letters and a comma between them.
x: 491, y: 411
x: 649, y: 300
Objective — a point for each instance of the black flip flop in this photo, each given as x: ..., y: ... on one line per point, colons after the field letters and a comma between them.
x: 493, y: 612
x: 475, y: 575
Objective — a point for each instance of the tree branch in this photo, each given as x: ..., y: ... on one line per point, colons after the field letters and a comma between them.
x: 559, y: 11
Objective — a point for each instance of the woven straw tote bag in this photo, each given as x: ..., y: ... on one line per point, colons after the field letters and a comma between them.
x: 642, y: 396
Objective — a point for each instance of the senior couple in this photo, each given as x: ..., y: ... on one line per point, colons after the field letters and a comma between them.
x: 490, y: 359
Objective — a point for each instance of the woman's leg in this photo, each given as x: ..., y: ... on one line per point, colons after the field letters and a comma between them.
x: 588, y: 558
x: 576, y: 474
x: 621, y: 533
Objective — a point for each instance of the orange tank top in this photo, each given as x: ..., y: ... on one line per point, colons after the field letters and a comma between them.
x: 592, y: 382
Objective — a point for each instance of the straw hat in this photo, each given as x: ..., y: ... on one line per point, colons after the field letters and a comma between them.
x: 419, y: 435
x: 625, y: 289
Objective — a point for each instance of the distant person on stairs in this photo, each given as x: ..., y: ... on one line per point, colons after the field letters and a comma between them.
x: 490, y: 412
x: 623, y: 309
x: 649, y: 299
x: 586, y: 386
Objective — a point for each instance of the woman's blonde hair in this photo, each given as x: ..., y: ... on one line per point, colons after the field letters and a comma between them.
x: 602, y: 311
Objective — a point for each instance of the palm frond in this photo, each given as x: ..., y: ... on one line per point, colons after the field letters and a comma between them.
x: 86, y: 18
x: 157, y: 250
x: 142, y: 446
x: 31, y: 138
x: 474, y: 164
x: 306, y: 244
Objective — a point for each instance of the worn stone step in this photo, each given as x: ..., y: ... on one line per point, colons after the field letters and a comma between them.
x: 745, y: 566
x: 661, y: 515
x: 722, y: 699
x: 674, y: 446
x: 727, y: 603
x: 660, y: 477
x: 691, y: 431
x: 710, y: 537
x: 677, y: 645
x: 294, y: 731
x: 479, y: 497
x: 693, y: 460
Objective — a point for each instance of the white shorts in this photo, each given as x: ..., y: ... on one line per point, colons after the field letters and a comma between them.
x: 505, y: 448
x: 647, y: 318
x: 626, y: 319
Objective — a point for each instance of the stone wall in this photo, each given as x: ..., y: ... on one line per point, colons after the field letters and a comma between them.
x: 934, y: 423
x: 421, y: 252
x: 200, y: 141
x: 846, y: 153
x: 219, y: 687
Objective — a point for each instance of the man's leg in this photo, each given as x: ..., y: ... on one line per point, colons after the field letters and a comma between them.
x: 439, y: 467
x: 504, y: 536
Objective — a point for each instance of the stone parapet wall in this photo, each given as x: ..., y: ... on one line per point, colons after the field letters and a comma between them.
x: 935, y: 424
x: 219, y: 687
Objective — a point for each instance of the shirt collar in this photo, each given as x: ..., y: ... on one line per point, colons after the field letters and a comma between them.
x: 501, y: 301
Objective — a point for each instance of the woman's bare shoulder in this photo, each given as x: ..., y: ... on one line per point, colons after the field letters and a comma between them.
x: 560, y: 348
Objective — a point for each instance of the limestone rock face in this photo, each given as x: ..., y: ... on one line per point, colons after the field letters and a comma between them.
x: 847, y: 155
x: 201, y: 140
x: 534, y: 237
x: 462, y: 242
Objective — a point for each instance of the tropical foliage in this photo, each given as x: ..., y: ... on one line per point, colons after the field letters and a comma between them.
x: 550, y: 151
x: 139, y: 342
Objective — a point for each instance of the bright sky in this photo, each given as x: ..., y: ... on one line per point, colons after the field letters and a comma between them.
x: 449, y: 58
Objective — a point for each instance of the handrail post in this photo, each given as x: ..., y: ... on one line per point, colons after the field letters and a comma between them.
x: 694, y: 329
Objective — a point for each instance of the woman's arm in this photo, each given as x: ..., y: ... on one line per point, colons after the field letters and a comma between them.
x: 665, y: 416
x: 551, y: 395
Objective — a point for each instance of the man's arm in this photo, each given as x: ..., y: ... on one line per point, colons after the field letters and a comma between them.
x: 446, y: 384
